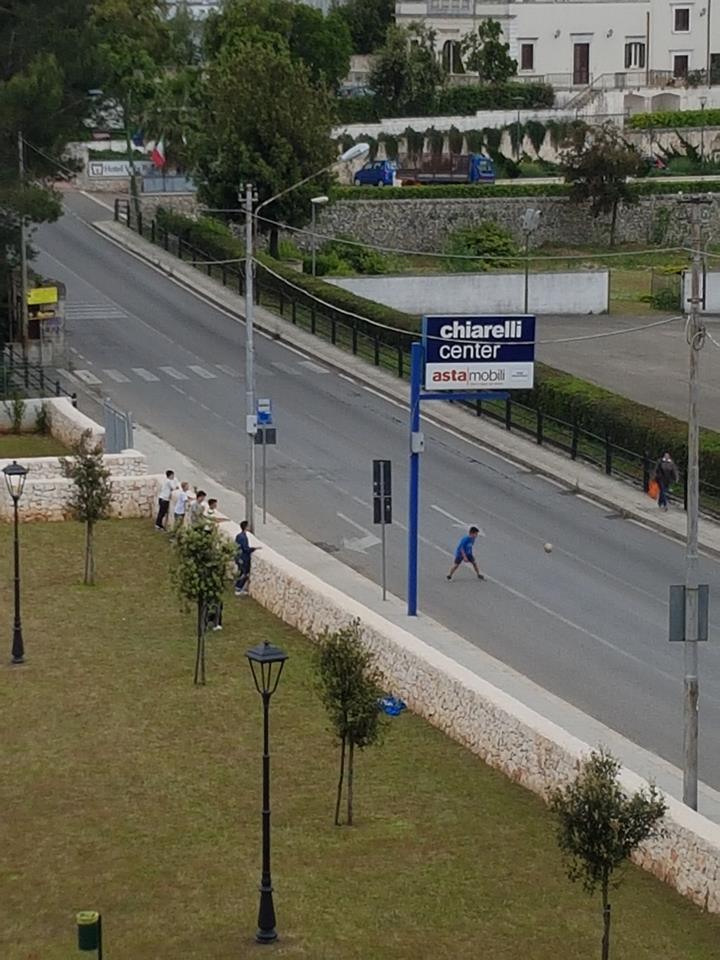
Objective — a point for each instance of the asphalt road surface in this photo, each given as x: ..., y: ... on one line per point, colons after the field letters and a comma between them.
x: 587, y: 621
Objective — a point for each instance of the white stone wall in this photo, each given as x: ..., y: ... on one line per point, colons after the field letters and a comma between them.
x: 46, y: 500
x: 584, y: 291
x: 505, y: 733
x: 125, y: 464
x: 67, y: 423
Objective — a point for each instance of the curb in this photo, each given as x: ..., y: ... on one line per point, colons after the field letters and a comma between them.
x: 275, y: 333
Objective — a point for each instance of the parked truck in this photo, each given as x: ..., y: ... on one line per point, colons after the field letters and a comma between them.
x: 427, y: 169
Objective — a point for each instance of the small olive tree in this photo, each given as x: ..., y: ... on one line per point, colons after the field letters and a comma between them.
x: 89, y: 500
x: 199, y: 575
x: 349, y: 685
x: 599, y: 826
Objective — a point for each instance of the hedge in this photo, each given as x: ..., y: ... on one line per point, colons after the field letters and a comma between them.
x: 628, y: 424
x: 451, y: 101
x: 675, y: 118
x: 465, y: 191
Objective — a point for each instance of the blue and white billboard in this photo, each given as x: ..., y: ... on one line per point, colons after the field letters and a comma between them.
x: 465, y: 352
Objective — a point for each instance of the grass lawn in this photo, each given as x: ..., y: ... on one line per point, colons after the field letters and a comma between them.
x: 125, y: 789
x: 20, y: 445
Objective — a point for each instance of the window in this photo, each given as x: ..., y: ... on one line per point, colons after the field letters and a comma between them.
x: 634, y: 55
x: 527, y: 56
x: 681, y: 65
x: 681, y: 19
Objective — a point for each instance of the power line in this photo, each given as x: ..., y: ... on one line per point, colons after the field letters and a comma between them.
x: 47, y: 156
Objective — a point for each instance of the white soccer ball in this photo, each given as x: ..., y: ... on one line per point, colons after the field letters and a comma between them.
x: 548, y: 548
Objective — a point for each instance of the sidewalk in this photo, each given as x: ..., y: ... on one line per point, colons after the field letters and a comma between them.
x: 621, y: 498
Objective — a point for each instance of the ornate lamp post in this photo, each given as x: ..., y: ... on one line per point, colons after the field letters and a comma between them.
x: 15, y: 475
x: 266, y: 662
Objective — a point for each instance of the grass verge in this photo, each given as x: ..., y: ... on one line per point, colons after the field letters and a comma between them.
x: 23, y: 445
x: 125, y: 789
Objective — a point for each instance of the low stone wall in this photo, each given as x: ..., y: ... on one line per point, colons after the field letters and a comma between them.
x: 66, y: 423
x: 425, y: 225
x: 126, y: 464
x: 505, y: 733
x: 47, y: 500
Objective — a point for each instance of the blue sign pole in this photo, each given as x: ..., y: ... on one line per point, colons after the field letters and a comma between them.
x: 416, y: 372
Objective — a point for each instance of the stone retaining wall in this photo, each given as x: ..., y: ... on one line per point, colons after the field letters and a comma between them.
x: 126, y: 464
x: 46, y: 500
x: 425, y: 225
x: 502, y: 731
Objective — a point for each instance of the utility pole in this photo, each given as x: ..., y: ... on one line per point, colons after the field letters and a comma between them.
x: 23, y: 247
x: 696, y: 341
x: 250, y: 411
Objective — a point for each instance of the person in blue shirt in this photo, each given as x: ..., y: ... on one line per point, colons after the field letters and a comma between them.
x: 464, y: 553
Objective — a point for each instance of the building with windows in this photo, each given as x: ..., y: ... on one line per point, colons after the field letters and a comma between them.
x: 610, y: 44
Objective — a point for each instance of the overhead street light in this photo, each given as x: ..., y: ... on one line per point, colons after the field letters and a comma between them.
x: 266, y: 663
x: 316, y: 202
x: 352, y: 153
x: 15, y: 476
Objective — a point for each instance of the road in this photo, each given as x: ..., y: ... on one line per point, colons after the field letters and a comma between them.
x: 588, y: 621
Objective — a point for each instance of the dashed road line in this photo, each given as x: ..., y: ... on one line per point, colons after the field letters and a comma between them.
x: 173, y: 373
x: 87, y: 377
x: 117, y: 376
x: 201, y: 372
x: 144, y: 374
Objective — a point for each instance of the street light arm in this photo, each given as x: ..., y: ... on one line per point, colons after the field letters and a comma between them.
x: 300, y: 183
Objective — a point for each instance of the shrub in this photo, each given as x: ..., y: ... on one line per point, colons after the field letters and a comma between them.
x: 675, y: 118
x: 485, y: 240
x: 358, y: 110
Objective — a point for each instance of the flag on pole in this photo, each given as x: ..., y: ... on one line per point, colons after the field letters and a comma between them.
x: 158, y: 154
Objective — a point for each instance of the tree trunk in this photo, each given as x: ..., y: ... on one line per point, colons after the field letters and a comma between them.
x: 338, y: 798
x: 131, y: 166
x: 351, y: 770
x: 606, y: 923
x: 613, y: 223
x: 200, y: 650
x: 89, y: 556
x: 274, y: 243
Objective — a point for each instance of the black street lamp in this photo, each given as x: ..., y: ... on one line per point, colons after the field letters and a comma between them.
x: 15, y: 475
x: 266, y: 662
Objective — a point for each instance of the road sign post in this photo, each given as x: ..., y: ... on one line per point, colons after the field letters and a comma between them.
x: 461, y: 358
x: 266, y: 436
x: 382, y: 509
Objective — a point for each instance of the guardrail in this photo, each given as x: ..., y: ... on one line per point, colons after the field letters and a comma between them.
x: 390, y: 350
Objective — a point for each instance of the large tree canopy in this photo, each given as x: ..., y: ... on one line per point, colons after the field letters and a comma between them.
x: 368, y: 21
x: 322, y: 43
x: 250, y: 133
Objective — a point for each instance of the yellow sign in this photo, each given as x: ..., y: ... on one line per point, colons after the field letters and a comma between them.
x: 42, y: 295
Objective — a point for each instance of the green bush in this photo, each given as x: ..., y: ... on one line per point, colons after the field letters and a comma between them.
x: 675, y: 118
x: 326, y: 262
x: 210, y: 236
x: 357, y: 110
x: 485, y: 240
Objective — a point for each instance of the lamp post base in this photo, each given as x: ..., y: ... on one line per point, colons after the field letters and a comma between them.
x: 266, y: 932
x: 17, y: 660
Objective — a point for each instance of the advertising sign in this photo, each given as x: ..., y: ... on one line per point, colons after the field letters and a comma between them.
x: 464, y: 352
x: 116, y: 168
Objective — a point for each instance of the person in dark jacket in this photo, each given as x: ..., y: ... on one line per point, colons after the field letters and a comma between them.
x: 666, y: 475
x: 243, y: 559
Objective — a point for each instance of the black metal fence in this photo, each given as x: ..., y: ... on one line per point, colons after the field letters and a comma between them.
x: 390, y: 350
x: 19, y: 377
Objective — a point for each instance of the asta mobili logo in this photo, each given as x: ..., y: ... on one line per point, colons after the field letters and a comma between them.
x: 466, y: 375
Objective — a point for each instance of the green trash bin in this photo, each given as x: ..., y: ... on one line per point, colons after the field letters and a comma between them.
x: 89, y: 935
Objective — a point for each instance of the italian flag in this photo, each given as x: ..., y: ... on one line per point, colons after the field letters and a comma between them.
x: 158, y: 154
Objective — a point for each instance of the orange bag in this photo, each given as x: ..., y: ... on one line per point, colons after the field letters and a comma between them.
x: 654, y: 489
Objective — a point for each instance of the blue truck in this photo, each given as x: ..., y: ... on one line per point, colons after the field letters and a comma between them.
x: 427, y: 169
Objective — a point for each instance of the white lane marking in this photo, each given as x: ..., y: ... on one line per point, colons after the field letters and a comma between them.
x: 313, y: 367
x: 87, y: 377
x: 363, y: 503
x: 174, y: 386
x: 576, y: 626
x: 456, y: 520
x: 173, y: 373
x: 344, y: 376
x: 144, y: 374
x: 593, y: 503
x: 555, y: 483
x: 66, y: 373
x: 201, y: 372
x: 100, y: 203
x: 285, y: 367
x: 428, y: 543
x: 358, y: 544
x: 228, y: 371
x: 116, y: 376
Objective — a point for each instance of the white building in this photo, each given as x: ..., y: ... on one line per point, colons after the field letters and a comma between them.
x: 610, y: 44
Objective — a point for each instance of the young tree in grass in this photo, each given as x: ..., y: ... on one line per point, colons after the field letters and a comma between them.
x: 599, y: 826
x: 200, y: 574
x: 349, y: 684
x: 91, y: 493
x: 597, y: 170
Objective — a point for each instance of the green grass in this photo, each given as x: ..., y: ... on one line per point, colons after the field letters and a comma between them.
x: 125, y: 789
x: 17, y: 445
